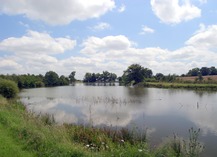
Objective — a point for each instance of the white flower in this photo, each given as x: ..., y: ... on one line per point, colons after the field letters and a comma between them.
x: 140, y: 150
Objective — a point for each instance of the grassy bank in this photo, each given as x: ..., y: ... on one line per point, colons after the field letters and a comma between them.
x: 24, y: 134
x: 181, y: 85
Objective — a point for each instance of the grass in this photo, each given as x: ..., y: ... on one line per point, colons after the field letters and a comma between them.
x: 181, y: 85
x: 9, y: 147
x: 24, y: 134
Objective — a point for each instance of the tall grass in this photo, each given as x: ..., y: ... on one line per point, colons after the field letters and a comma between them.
x: 179, y: 147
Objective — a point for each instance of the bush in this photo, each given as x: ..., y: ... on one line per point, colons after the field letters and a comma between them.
x: 8, y: 88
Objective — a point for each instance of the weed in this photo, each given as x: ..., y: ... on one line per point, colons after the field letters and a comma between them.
x: 192, y: 147
x: 179, y: 147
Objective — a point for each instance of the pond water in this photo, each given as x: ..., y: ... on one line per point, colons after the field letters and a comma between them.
x: 161, y: 112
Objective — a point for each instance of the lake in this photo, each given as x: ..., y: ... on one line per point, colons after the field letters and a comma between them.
x: 161, y: 112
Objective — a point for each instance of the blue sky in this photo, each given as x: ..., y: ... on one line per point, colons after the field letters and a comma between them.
x: 168, y: 36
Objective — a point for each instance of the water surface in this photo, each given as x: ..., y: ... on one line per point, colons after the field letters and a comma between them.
x: 161, y: 111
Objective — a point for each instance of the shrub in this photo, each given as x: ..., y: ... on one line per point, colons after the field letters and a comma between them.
x: 8, y: 88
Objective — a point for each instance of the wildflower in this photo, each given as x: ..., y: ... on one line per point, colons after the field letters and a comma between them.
x: 140, y: 150
x: 87, y: 145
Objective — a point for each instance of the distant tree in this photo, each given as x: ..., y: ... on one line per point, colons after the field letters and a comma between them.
x: 159, y: 76
x: 148, y: 73
x: 72, y: 77
x: 98, y: 77
x: 193, y: 72
x: 63, y: 80
x: 51, y: 79
x: 213, y: 70
x: 112, y: 77
x: 104, y: 77
x: 204, y: 71
x: 135, y: 73
x: 87, y: 77
x: 120, y: 79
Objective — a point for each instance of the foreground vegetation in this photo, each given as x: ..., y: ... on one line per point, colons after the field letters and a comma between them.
x: 25, y: 134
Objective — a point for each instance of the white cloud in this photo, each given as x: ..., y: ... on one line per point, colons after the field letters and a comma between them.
x: 32, y: 53
x: 172, y: 12
x: 112, y: 53
x: 146, y: 29
x: 94, y: 44
x: 37, y: 43
x: 57, y: 12
x: 205, y: 38
x: 7, y: 65
x: 101, y: 26
x: 122, y: 8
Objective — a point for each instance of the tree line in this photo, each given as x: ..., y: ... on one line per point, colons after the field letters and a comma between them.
x: 104, y: 77
x: 50, y: 79
x: 204, y: 71
x: 134, y: 74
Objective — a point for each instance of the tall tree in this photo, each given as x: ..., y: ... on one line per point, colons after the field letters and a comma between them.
x: 204, y: 71
x: 63, y: 80
x: 88, y: 77
x: 213, y: 70
x: 135, y: 73
x: 193, y: 72
x: 159, y: 76
x: 51, y: 79
x: 72, y: 77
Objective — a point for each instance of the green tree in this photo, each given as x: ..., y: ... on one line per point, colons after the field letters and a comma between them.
x: 148, y: 73
x: 8, y: 88
x: 88, y: 77
x: 159, y: 76
x: 63, y: 80
x: 105, y: 76
x: 213, y: 70
x: 204, y: 71
x: 193, y: 72
x: 135, y: 73
x: 72, y: 77
x: 112, y: 77
x: 51, y: 79
x: 98, y: 77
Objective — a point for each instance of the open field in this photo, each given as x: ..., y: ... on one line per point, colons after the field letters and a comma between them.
x: 201, y: 86
x: 193, y: 78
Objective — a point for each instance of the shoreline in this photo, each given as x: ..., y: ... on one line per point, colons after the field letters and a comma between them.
x: 36, y: 135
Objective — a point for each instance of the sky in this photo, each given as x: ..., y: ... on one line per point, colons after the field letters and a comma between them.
x: 166, y: 36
